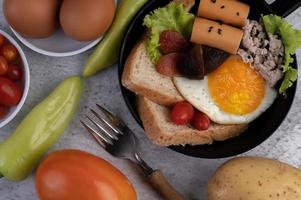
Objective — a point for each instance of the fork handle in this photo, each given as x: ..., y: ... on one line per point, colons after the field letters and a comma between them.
x: 160, y: 183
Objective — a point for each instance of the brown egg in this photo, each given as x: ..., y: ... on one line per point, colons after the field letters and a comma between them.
x: 32, y: 18
x: 85, y: 20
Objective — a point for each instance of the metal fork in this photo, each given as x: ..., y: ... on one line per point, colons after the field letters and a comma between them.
x: 115, y: 137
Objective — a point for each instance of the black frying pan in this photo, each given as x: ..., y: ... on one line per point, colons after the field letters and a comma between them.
x: 258, y: 131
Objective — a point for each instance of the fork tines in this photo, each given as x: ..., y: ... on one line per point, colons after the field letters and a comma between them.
x: 103, y: 126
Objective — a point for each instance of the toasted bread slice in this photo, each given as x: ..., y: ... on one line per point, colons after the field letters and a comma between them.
x: 162, y: 131
x: 141, y: 77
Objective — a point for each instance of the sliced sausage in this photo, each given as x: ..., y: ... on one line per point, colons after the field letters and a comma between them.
x: 168, y: 64
x: 172, y: 41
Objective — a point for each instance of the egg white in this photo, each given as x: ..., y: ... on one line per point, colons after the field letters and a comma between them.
x: 197, y: 93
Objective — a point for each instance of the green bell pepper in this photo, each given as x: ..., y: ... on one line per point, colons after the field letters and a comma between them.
x: 40, y: 129
x: 107, y: 50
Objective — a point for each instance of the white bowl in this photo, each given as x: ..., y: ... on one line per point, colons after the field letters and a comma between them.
x: 57, y: 45
x: 26, y: 82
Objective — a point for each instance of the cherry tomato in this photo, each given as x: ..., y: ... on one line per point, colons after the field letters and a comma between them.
x: 14, y: 73
x: 3, y: 111
x: 10, y: 93
x: 10, y: 52
x: 3, y: 65
x: 182, y: 113
x: 2, y: 40
x: 77, y: 175
x: 200, y: 121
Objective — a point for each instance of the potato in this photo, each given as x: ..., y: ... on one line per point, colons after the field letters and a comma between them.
x: 254, y: 178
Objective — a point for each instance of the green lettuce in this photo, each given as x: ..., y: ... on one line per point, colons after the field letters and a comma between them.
x: 291, y: 39
x: 171, y: 17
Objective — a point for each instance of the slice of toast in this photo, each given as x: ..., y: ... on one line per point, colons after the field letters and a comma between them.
x: 162, y: 131
x: 141, y: 77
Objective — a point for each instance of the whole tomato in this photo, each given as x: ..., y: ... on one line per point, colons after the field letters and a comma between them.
x: 10, y: 52
x: 200, y: 121
x: 77, y: 175
x: 14, y: 72
x: 3, y: 65
x: 182, y: 113
x: 10, y: 93
x: 3, y: 111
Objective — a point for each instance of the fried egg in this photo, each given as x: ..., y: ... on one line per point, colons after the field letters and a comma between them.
x: 232, y: 94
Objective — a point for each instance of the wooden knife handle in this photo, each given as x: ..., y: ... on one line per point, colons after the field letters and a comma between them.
x: 160, y: 183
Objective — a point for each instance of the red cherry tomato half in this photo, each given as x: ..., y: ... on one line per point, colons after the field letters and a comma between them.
x: 10, y: 52
x: 182, y: 113
x: 3, y: 65
x: 14, y: 73
x: 10, y: 93
x: 200, y: 121
x: 3, y: 111
x: 2, y: 40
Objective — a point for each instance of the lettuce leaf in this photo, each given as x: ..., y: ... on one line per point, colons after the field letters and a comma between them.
x: 290, y: 77
x: 171, y: 17
x: 271, y: 23
x: 291, y: 39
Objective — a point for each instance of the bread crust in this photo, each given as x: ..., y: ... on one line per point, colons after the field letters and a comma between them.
x: 162, y: 131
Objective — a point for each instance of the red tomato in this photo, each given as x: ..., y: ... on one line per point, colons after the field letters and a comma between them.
x: 14, y: 72
x: 3, y: 111
x: 10, y: 52
x: 3, y: 65
x: 182, y: 113
x: 10, y: 93
x: 77, y: 175
x: 2, y: 40
x: 200, y: 121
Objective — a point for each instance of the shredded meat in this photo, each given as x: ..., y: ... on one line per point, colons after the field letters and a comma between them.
x: 263, y: 51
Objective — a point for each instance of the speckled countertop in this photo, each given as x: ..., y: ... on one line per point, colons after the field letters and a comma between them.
x: 189, y: 175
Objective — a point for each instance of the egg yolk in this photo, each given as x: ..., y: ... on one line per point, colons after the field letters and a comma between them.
x: 236, y: 87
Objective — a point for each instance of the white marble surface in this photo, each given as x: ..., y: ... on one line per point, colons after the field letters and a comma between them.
x: 188, y: 174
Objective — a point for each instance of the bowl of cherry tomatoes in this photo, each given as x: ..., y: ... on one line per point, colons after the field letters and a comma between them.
x: 14, y: 78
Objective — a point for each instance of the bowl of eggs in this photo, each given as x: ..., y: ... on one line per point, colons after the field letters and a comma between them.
x: 61, y: 27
